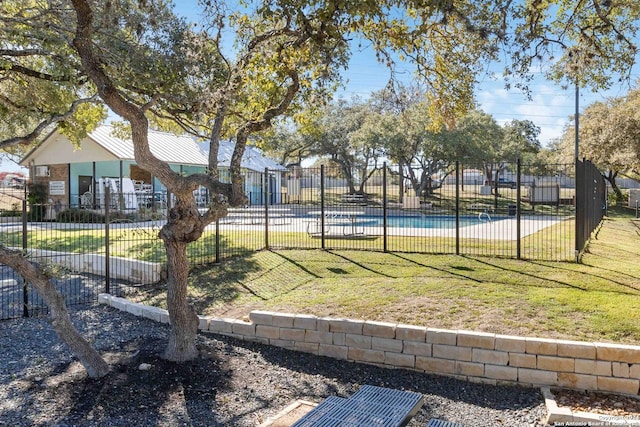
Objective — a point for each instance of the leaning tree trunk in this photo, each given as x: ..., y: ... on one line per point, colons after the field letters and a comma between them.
x: 88, y: 356
x: 184, y: 226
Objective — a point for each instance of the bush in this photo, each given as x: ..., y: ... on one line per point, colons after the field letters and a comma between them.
x: 37, y: 198
x: 80, y: 215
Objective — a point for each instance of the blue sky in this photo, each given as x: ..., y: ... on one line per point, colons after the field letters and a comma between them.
x: 550, y: 108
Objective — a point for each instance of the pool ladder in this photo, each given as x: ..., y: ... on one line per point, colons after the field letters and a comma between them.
x: 484, y: 216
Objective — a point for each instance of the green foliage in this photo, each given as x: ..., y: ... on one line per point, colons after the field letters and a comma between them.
x: 80, y: 216
x: 85, y: 119
x: 36, y: 198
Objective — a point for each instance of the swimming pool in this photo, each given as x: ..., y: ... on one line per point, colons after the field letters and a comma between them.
x: 423, y: 221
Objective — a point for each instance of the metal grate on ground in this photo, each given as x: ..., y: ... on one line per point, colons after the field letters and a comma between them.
x: 368, y: 407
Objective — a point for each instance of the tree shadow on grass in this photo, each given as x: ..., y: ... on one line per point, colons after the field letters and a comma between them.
x: 442, y: 270
x: 527, y: 274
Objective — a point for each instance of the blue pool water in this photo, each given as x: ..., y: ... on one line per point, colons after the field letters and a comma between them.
x: 427, y: 221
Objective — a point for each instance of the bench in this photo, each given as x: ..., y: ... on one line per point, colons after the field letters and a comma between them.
x: 368, y: 407
x: 357, y: 199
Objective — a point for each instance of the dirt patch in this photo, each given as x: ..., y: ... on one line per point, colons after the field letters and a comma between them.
x: 598, y: 403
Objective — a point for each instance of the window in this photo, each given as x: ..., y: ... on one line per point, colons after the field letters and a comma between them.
x: 42, y: 170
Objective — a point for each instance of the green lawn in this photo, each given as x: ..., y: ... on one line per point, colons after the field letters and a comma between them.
x: 597, y: 300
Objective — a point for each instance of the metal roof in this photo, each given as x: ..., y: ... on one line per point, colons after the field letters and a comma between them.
x: 181, y: 150
x: 165, y: 146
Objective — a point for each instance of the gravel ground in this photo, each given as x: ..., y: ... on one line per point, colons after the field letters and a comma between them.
x: 232, y: 384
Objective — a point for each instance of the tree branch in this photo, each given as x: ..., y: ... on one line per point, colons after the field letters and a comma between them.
x: 43, y: 125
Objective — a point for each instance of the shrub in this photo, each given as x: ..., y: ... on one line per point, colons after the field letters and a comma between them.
x: 80, y: 215
x: 37, y: 198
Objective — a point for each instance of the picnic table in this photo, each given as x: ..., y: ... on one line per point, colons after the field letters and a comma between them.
x: 348, y: 221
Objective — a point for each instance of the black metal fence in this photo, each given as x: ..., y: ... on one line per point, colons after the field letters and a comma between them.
x: 502, y: 210
x: 591, y: 201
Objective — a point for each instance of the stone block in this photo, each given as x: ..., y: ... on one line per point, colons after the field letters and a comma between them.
x: 243, y: 328
x: 283, y: 320
x: 618, y: 352
x: 220, y: 326
x: 119, y: 303
x: 470, y: 369
x: 164, y: 317
x: 305, y: 321
x: 618, y: 385
x: 411, y: 333
x: 293, y: 334
x: 442, y: 336
x: 319, y: 337
x: 576, y: 349
x: 537, y: 377
x: 271, y: 332
x: 505, y: 373
x: 620, y: 370
x: 347, y: 326
x: 399, y: 360
x: 476, y: 339
x: 261, y: 317
x: 365, y: 355
x: 379, y: 329
x: 334, y: 351
x: 339, y: 338
x: 416, y: 348
x: 542, y: 346
x: 521, y: 360
x: 434, y: 365
x: 593, y: 367
x: 554, y: 363
x: 577, y: 381
x: 203, y: 323
x: 490, y: 356
x: 323, y: 324
x: 104, y: 299
x: 136, y: 308
x: 510, y: 343
x: 634, y: 371
x: 306, y: 347
x: 386, y: 344
x: 359, y: 341
x: 154, y: 313
x: 451, y: 352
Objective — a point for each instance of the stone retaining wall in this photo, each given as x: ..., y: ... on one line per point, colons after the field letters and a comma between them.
x: 471, y: 356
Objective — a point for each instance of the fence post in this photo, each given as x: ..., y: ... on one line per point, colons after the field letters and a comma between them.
x: 322, y: 205
x: 107, y: 261
x: 384, y: 207
x: 25, y: 290
x: 218, y: 241
x: 579, y: 210
x: 457, y: 208
x: 518, y: 197
x: 266, y: 208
